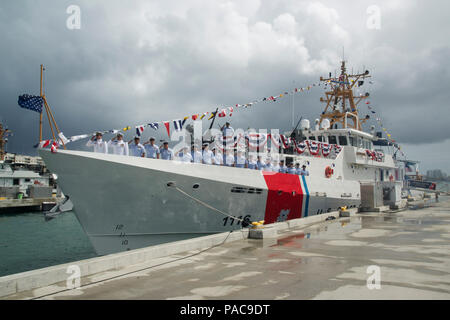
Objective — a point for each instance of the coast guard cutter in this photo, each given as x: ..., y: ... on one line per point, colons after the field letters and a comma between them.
x: 126, y: 203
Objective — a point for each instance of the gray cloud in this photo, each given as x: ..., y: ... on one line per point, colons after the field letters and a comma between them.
x: 139, y: 61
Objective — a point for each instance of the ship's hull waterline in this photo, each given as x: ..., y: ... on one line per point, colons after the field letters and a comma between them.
x: 126, y: 203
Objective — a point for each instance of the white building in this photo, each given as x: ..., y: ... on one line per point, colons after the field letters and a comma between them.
x: 21, y: 171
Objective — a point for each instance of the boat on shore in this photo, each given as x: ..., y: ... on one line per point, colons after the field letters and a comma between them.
x: 25, y: 183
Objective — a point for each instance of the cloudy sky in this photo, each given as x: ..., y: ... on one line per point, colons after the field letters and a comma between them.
x: 134, y: 62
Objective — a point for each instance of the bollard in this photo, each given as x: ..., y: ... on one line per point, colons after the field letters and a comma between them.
x: 343, y: 212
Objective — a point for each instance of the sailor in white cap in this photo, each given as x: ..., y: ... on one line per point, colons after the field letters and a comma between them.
x: 275, y: 166
x: 268, y: 165
x: 117, y: 146
x: 184, y: 155
x: 303, y: 171
x: 136, y: 148
x: 166, y: 152
x: 227, y: 131
x: 97, y: 142
x: 290, y: 168
x: 229, y: 158
x: 260, y: 164
x: 297, y: 169
x: 218, y: 157
x: 152, y: 149
x: 241, y: 161
x: 283, y: 168
x: 252, y: 162
x: 197, y: 155
x: 207, y: 154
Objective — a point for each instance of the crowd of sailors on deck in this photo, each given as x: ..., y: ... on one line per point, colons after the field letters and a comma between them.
x: 206, y: 156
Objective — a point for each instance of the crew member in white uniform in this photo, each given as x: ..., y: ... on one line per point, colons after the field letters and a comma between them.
x: 283, y: 168
x: 252, y: 162
x: 184, y: 155
x: 303, y: 171
x: 117, y: 146
x: 207, y: 154
x: 97, y: 142
x: 241, y: 162
x: 260, y: 164
x: 290, y: 168
x: 136, y: 148
x: 218, y: 157
x: 227, y: 130
x: 197, y: 155
x: 152, y: 149
x: 229, y: 159
x: 166, y: 152
x: 268, y: 166
x: 275, y: 166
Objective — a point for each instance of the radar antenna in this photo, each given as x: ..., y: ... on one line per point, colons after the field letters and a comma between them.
x: 342, y: 93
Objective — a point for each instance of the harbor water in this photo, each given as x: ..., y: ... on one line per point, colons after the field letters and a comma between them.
x: 29, y: 242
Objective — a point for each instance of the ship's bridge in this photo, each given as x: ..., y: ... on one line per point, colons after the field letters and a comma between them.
x: 342, y: 137
x: 325, y: 142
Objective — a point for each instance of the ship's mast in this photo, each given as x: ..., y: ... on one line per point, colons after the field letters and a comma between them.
x: 51, y: 119
x: 340, y: 102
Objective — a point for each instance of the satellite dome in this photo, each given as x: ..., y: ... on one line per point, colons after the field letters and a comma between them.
x: 304, y: 124
x: 325, y: 124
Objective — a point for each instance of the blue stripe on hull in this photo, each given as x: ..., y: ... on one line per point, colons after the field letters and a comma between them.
x: 307, y: 196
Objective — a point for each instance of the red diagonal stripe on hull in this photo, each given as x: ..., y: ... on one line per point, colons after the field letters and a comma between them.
x: 290, y: 198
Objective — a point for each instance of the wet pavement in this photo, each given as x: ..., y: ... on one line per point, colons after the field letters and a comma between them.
x: 330, y: 260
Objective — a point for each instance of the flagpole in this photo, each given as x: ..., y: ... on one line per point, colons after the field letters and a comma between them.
x: 212, y: 122
x: 40, y: 116
x: 49, y: 120
x: 54, y: 122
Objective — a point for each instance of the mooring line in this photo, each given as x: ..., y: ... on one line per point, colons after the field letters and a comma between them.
x: 207, y: 205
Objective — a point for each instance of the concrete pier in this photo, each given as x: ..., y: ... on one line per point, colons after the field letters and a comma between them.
x: 390, y: 255
x: 30, y: 204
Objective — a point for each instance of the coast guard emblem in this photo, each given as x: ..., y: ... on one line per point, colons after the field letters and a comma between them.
x: 283, y: 215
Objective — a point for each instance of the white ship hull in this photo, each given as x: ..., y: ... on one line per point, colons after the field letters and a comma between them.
x: 125, y: 203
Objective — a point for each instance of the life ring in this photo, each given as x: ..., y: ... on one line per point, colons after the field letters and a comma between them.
x: 328, y: 172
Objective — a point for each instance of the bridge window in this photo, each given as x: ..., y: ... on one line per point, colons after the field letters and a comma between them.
x: 332, y: 139
x: 353, y: 141
x: 343, y: 140
x: 312, y: 138
x: 360, y: 142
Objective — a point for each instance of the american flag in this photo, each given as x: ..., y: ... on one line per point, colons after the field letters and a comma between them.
x: 30, y: 102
